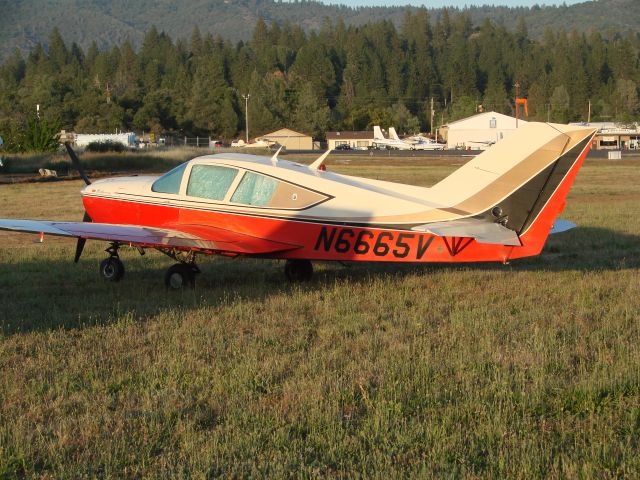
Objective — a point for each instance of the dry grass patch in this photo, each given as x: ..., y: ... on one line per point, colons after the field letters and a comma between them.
x: 528, y: 370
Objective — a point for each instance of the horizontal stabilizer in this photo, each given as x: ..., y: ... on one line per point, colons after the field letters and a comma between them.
x: 480, y: 230
x: 560, y: 226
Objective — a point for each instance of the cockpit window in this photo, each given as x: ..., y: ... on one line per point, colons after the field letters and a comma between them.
x: 259, y: 190
x: 255, y: 189
x: 210, y: 181
x: 170, y: 181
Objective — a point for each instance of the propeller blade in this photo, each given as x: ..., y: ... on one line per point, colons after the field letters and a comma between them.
x: 75, y: 161
x: 79, y: 248
x: 81, y: 241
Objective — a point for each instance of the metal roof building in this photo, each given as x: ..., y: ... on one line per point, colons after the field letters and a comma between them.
x: 479, y: 132
x: 289, y: 139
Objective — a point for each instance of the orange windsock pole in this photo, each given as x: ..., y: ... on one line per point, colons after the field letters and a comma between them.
x: 525, y: 104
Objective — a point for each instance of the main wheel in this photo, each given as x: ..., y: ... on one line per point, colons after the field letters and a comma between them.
x: 179, y: 276
x: 298, y: 270
x: 112, y: 269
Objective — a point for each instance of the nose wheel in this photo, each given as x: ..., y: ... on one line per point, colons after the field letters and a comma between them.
x: 112, y: 268
x: 298, y: 270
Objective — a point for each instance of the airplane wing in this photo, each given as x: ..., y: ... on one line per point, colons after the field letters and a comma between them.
x: 208, y: 238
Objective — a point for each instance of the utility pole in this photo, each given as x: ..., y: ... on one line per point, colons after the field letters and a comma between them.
x: 432, y: 114
x: 246, y: 116
x: 517, y: 85
x: 589, y: 117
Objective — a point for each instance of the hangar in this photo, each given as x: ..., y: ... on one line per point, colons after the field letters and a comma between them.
x: 479, y: 132
x: 289, y: 139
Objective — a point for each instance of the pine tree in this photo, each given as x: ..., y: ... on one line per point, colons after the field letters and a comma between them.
x: 311, y: 114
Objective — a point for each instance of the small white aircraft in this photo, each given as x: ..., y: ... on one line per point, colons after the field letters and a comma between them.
x: 499, y: 206
x: 256, y: 144
x: 418, y: 142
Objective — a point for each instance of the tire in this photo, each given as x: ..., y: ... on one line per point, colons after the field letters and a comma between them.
x: 180, y: 276
x: 298, y: 270
x: 112, y: 269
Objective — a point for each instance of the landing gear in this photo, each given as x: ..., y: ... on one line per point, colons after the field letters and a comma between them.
x: 298, y: 270
x: 112, y: 269
x: 181, y: 275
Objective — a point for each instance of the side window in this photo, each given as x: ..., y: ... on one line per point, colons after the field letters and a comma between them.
x: 170, y: 181
x: 210, y: 181
x: 255, y: 189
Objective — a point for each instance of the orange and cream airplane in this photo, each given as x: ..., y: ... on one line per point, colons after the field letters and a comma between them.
x: 499, y: 206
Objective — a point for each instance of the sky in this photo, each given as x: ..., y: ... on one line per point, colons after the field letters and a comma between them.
x: 449, y: 3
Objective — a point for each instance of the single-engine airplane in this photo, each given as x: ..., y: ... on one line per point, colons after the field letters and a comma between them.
x: 417, y: 142
x: 499, y: 206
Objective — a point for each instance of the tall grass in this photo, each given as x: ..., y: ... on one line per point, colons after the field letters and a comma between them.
x: 530, y: 370
x: 156, y: 160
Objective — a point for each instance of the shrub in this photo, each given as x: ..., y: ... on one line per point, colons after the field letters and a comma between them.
x: 41, y: 135
x: 106, y: 146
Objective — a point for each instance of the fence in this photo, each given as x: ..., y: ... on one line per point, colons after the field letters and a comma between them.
x: 200, y: 142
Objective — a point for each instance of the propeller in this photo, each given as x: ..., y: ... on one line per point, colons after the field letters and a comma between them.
x: 75, y: 161
x: 81, y: 241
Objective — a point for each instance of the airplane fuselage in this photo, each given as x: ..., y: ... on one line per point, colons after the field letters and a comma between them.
x: 321, y: 215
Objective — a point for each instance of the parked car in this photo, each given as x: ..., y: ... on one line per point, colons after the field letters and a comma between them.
x: 343, y: 146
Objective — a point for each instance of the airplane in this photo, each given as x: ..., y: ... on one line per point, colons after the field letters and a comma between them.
x: 379, y: 140
x: 499, y: 206
x: 482, y: 144
x: 418, y: 142
x: 257, y: 144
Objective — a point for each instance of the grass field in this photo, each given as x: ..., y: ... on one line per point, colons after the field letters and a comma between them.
x: 529, y: 370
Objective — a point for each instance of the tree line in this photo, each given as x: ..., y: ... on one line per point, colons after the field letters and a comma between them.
x: 336, y: 78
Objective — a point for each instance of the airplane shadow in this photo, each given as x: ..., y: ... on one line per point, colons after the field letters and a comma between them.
x: 41, y: 294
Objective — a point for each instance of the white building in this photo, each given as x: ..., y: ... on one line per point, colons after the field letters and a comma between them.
x: 614, y: 136
x: 127, y: 139
x: 479, y: 131
x: 355, y: 140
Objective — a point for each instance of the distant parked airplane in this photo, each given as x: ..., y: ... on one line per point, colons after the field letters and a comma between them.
x: 417, y: 142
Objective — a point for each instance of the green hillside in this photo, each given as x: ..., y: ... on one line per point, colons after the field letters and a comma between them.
x: 24, y: 23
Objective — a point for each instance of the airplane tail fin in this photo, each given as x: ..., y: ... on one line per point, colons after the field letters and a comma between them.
x: 520, y: 183
x: 393, y: 134
x: 377, y: 133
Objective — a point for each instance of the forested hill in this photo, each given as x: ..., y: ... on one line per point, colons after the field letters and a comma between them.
x: 24, y: 23
x: 341, y: 78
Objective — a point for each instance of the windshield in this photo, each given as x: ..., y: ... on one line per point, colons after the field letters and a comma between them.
x: 170, y: 181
